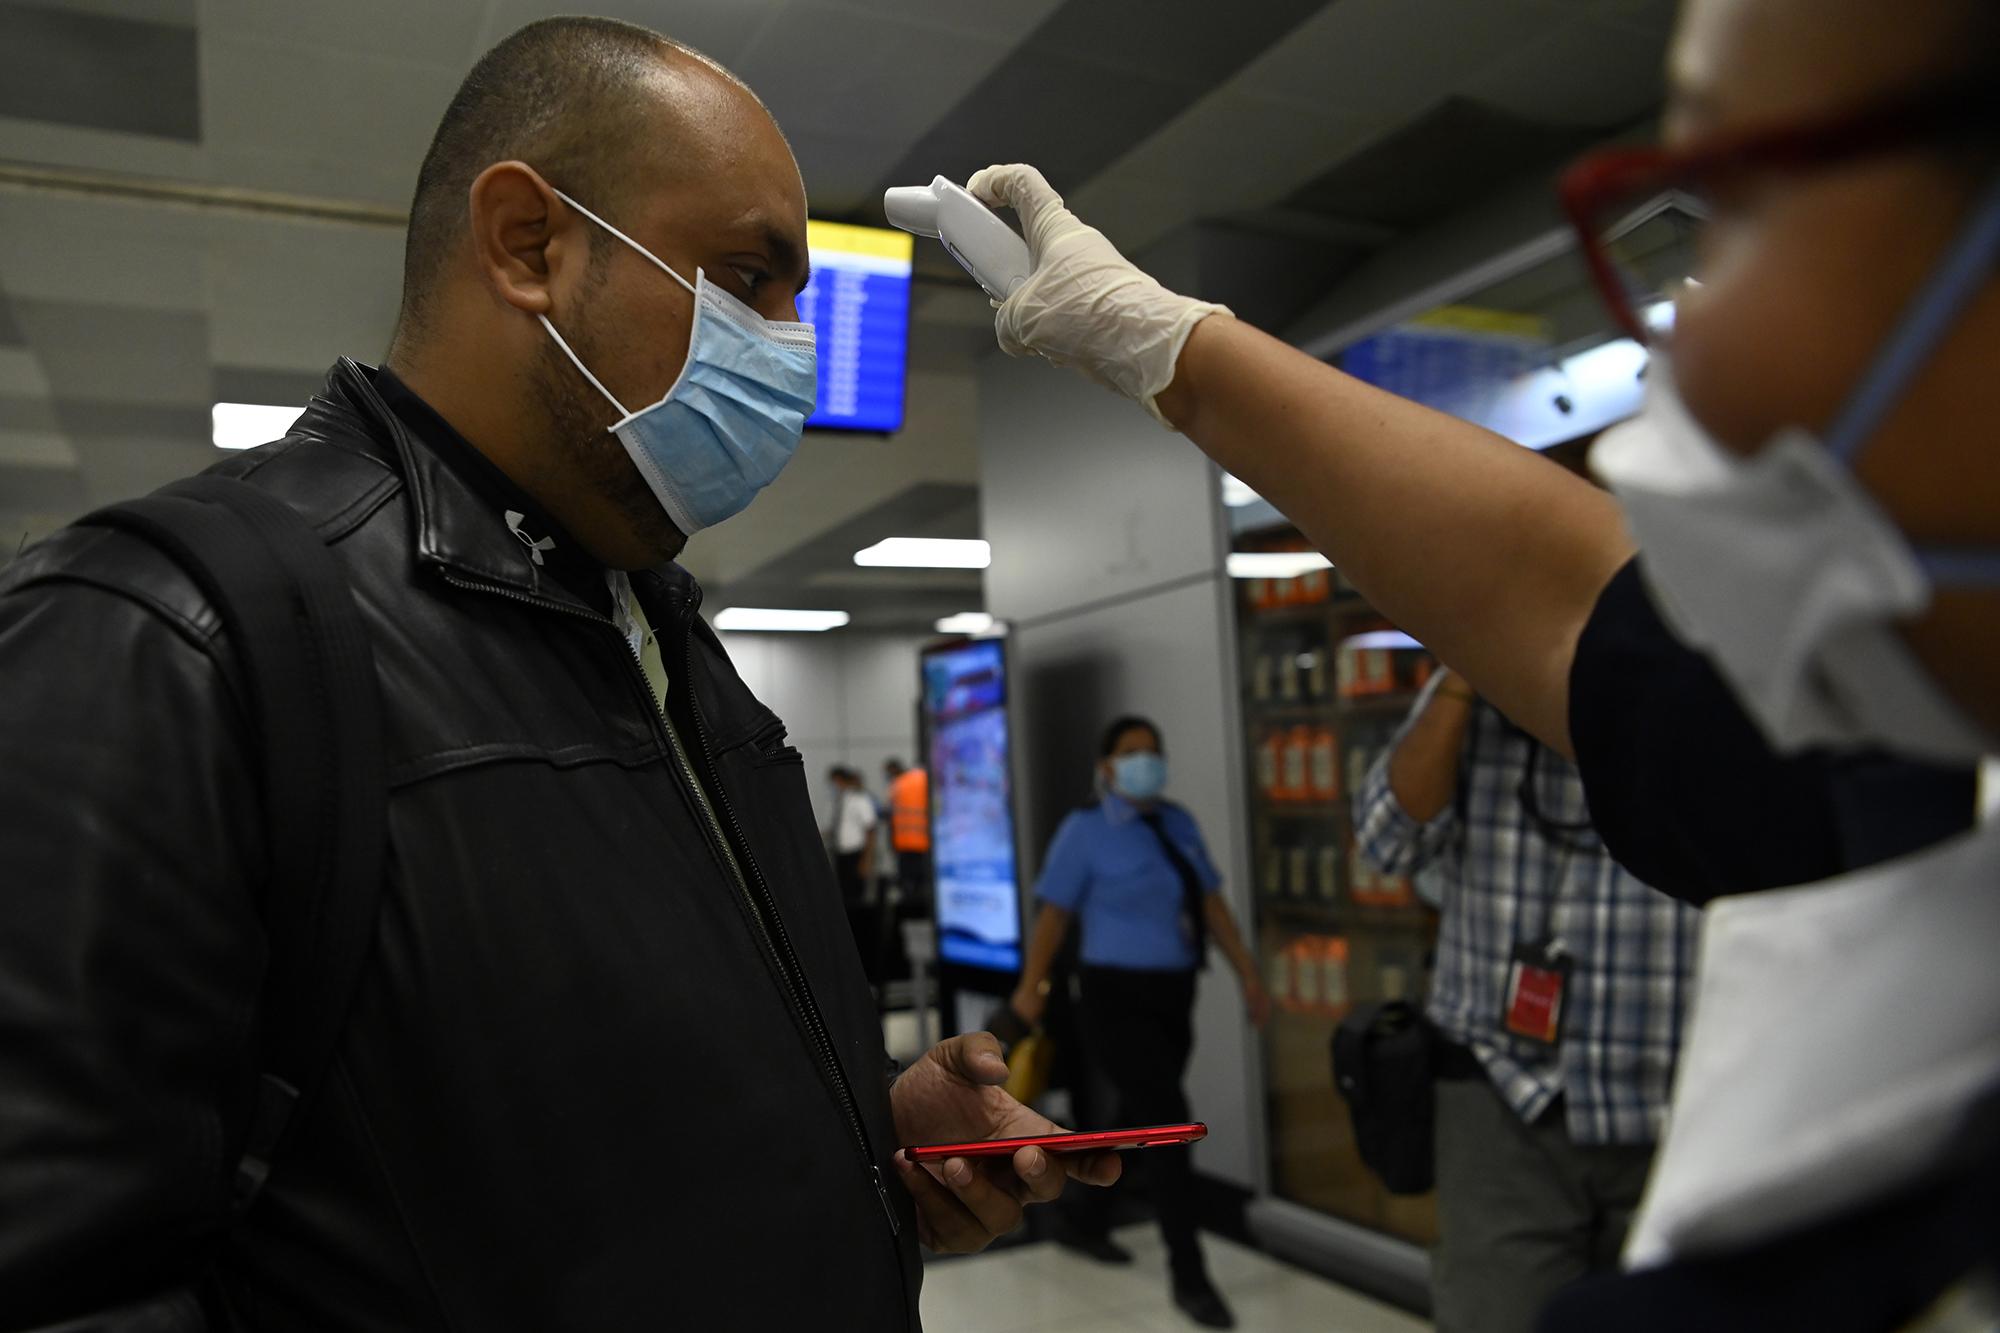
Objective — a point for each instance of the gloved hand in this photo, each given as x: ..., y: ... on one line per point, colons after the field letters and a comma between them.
x: 1085, y: 304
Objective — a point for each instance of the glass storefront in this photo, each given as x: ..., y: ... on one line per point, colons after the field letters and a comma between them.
x: 1326, y: 681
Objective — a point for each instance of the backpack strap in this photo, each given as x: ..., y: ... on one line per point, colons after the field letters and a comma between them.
x: 309, y: 670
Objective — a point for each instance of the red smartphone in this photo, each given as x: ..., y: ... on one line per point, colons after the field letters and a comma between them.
x: 1100, y: 1140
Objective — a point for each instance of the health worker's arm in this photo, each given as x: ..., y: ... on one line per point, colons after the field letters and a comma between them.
x: 1491, y: 555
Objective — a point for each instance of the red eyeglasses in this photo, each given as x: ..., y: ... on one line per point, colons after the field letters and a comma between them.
x: 1608, y: 194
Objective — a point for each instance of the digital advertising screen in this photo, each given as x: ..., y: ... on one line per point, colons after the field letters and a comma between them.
x: 859, y: 304
x: 972, y: 805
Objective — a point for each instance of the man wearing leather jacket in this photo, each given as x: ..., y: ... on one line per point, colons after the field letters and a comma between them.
x: 611, y: 1062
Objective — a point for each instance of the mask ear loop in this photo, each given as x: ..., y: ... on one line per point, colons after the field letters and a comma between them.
x: 1958, y: 277
x: 1963, y: 272
x: 577, y: 361
x: 659, y: 262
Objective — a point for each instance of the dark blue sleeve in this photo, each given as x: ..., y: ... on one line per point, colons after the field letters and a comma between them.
x: 1689, y: 796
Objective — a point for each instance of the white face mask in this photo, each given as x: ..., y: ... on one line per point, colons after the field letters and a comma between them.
x: 1783, y: 569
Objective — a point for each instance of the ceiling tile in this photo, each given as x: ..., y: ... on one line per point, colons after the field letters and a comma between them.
x: 270, y: 123
x: 1195, y: 43
x: 34, y: 448
x: 1458, y: 150
x: 89, y: 70
x: 441, y: 32
x: 25, y: 489
x: 1583, y: 74
x: 257, y: 384
x: 841, y: 173
x: 179, y: 13
x: 1000, y: 20
x: 262, y: 274
x: 21, y: 374
x: 123, y: 354
x: 1196, y: 166
x: 1088, y: 85
x: 1393, y: 57
x: 75, y: 248
x: 819, y: 68
x: 29, y: 413
x: 1653, y: 19
x: 114, y: 469
x: 720, y: 29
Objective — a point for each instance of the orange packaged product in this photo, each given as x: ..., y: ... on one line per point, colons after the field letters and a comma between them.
x: 1295, y: 780
x: 1278, y: 980
x: 1306, y: 974
x: 1325, y: 765
x: 1270, y: 768
x: 1333, y: 995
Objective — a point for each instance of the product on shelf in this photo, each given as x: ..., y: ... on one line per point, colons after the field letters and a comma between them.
x: 1306, y: 973
x: 1278, y: 979
x: 1325, y: 765
x: 1333, y: 974
x: 1299, y: 858
x: 1364, y: 671
x: 1260, y: 678
x: 1295, y: 779
x: 1316, y: 676
x: 1329, y: 872
x: 1288, y: 677
x: 1270, y: 767
x: 1373, y: 888
x: 1315, y: 586
x: 1396, y: 973
x: 1274, y: 874
x: 1359, y: 760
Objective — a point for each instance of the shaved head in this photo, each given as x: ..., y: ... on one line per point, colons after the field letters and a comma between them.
x: 582, y: 101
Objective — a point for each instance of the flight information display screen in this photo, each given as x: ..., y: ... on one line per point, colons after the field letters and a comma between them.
x: 859, y: 303
x: 972, y: 805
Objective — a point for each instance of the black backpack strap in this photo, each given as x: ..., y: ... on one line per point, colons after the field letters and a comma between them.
x: 309, y: 670
x: 1193, y: 895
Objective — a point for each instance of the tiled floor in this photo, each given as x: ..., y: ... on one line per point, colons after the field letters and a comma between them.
x: 1046, y: 1289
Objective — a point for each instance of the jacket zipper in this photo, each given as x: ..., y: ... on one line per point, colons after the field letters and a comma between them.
x: 761, y: 907
x: 765, y: 907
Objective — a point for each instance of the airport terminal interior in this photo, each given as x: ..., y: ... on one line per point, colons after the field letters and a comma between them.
x: 973, y: 563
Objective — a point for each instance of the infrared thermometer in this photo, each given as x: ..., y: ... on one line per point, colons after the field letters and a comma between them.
x: 984, y: 246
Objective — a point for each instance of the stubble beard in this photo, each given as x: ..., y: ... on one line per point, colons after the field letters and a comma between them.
x: 579, y: 421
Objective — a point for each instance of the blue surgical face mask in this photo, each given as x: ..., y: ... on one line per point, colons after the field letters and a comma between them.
x: 1139, y: 776
x: 732, y: 420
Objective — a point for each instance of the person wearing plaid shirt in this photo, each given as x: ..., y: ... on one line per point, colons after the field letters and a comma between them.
x: 1542, y: 1145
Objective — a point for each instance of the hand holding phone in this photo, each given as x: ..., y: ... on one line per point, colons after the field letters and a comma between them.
x: 1102, y: 1140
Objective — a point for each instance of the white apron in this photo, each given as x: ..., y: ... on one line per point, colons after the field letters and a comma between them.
x: 1839, y: 1032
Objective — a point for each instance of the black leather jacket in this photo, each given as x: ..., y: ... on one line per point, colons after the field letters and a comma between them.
x: 575, y: 1092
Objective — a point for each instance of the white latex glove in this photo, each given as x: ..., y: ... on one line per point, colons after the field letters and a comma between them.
x: 1086, y: 305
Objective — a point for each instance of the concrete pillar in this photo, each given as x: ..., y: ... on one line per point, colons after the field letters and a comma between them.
x: 1108, y: 552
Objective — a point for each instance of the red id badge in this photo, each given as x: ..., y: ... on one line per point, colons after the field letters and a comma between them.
x: 1535, y: 983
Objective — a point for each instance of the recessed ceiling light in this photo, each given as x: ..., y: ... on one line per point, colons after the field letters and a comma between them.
x: 1275, y: 564
x: 247, y: 425
x: 735, y: 618
x: 927, y: 553
x: 966, y: 622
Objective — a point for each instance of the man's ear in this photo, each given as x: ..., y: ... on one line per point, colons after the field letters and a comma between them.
x: 522, y: 235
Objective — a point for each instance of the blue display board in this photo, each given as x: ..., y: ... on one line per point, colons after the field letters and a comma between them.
x: 1455, y: 359
x: 972, y: 805
x: 859, y: 302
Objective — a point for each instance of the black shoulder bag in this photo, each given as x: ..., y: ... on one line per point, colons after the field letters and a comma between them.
x: 310, y: 674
